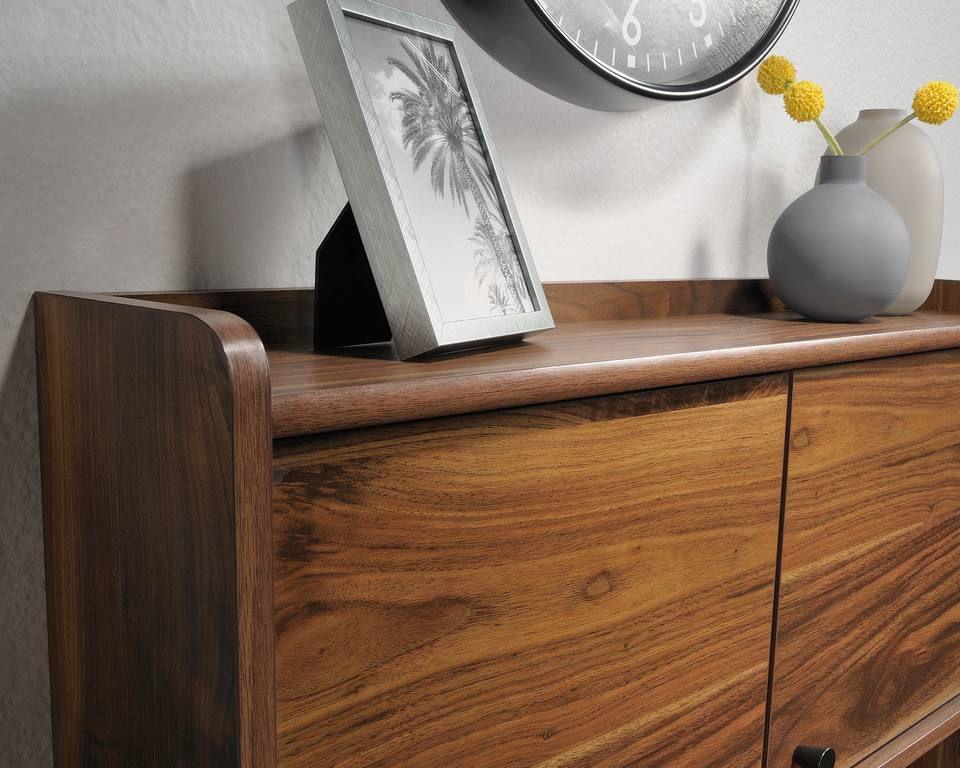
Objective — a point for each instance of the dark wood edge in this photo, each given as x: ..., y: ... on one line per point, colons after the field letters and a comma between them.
x: 917, y: 740
x: 282, y: 316
x: 945, y: 297
x: 243, y: 360
x: 592, y: 410
x: 632, y: 300
x: 249, y: 374
x: 315, y: 411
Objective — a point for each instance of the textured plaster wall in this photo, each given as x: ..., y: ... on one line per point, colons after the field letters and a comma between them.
x: 161, y: 144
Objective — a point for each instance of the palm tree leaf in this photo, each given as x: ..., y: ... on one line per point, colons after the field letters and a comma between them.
x: 416, y: 78
x: 432, y: 65
x: 499, y: 300
x: 458, y: 189
x: 406, y: 97
x: 415, y: 57
x: 437, y: 124
x: 423, y: 75
x: 425, y: 145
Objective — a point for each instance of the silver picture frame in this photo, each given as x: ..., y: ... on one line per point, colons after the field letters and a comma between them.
x: 404, y: 282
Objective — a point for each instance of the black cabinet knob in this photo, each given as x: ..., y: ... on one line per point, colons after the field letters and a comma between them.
x: 813, y: 757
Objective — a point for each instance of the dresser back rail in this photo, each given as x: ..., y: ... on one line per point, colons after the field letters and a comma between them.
x: 284, y: 316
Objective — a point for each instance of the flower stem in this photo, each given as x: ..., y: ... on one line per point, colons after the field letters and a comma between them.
x: 889, y: 132
x: 837, y: 149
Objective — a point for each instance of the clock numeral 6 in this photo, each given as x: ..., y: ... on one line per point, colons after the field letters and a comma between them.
x: 631, y: 25
x: 698, y: 21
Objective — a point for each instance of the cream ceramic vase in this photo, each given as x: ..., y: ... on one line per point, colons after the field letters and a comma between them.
x: 905, y: 170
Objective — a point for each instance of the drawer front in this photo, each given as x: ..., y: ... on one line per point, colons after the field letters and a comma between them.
x: 583, y: 584
x: 868, y: 638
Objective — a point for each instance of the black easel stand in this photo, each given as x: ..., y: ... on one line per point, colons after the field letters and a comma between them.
x: 347, y: 307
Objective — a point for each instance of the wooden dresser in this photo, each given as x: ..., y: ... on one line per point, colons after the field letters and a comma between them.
x: 680, y: 530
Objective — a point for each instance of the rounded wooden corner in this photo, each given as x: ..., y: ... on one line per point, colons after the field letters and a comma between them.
x: 186, y: 391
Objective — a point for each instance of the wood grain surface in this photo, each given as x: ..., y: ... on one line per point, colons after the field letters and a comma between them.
x: 322, y: 392
x: 869, y: 607
x: 944, y: 755
x: 945, y: 297
x: 284, y: 316
x: 932, y: 738
x: 634, y: 300
x: 280, y: 316
x: 155, y: 447
x: 611, y: 338
x: 582, y: 584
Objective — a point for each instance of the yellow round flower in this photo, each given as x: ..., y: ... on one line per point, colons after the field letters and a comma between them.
x: 936, y: 102
x: 804, y: 101
x: 776, y: 75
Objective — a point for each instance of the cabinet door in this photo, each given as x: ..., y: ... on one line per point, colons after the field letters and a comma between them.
x: 582, y: 584
x: 868, y: 638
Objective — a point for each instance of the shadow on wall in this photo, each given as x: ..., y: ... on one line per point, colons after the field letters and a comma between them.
x: 239, y: 216
x: 127, y: 190
x: 24, y: 681
x: 764, y: 189
x: 130, y: 189
x: 612, y: 175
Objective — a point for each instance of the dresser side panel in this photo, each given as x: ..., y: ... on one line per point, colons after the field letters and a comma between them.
x: 143, y: 446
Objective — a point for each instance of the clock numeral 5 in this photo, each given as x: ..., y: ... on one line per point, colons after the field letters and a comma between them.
x: 699, y: 21
x: 631, y: 25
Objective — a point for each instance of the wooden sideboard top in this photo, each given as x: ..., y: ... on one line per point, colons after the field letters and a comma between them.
x: 610, y: 338
x: 321, y: 392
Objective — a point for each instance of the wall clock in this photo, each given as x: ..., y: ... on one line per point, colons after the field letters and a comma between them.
x: 613, y: 54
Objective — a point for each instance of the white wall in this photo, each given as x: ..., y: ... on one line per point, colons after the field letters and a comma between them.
x: 160, y: 144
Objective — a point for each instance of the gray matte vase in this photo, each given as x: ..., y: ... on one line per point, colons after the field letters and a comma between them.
x: 840, y: 252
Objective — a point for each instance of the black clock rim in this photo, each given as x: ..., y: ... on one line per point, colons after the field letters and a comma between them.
x: 706, y: 87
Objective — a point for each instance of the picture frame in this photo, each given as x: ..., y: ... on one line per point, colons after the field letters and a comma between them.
x: 433, y: 211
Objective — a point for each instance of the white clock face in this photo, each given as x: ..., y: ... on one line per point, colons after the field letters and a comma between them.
x: 664, y: 43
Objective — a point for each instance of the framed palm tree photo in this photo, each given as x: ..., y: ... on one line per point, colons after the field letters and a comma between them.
x: 433, y: 211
